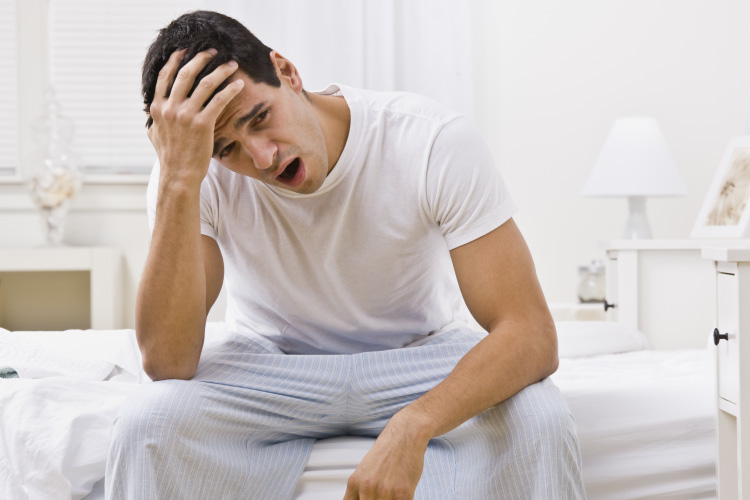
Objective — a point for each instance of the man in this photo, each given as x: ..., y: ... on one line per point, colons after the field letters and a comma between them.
x: 349, y: 227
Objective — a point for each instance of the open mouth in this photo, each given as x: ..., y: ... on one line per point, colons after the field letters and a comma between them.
x: 290, y: 172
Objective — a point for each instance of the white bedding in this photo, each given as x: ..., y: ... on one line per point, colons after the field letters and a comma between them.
x: 645, y: 422
x: 645, y: 419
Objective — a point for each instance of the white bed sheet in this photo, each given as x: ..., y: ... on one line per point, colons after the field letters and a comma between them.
x: 645, y: 420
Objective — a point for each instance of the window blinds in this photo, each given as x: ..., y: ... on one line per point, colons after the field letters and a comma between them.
x: 96, y: 50
x: 8, y: 89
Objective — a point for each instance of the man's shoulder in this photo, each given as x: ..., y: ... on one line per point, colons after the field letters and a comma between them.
x: 401, y: 103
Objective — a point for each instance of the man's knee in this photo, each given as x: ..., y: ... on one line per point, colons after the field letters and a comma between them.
x: 522, y: 448
x: 154, y: 409
x: 535, y: 429
x: 535, y: 419
x: 544, y: 406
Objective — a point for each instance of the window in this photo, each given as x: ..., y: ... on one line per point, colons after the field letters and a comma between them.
x: 96, y: 50
x: 91, y: 52
x: 9, y: 125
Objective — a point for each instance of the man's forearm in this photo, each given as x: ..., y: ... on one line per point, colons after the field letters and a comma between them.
x: 510, y: 358
x: 171, y: 303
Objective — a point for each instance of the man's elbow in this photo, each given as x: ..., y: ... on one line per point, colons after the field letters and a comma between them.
x: 169, y: 358
x: 551, y: 360
x: 552, y: 365
x: 161, y: 369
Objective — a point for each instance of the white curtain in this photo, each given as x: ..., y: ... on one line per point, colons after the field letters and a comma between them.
x: 421, y: 46
x: 8, y: 89
x: 96, y: 49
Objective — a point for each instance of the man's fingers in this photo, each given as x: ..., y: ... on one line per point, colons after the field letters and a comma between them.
x: 210, y: 83
x: 184, y: 79
x: 166, y: 75
x: 351, y: 489
x: 221, y: 99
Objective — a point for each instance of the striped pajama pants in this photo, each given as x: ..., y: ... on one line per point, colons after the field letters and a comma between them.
x: 244, y: 426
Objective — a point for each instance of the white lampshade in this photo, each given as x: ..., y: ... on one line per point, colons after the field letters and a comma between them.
x: 635, y: 161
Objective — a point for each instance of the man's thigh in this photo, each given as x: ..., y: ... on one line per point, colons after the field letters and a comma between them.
x: 384, y: 382
x: 524, y: 447
x: 249, y: 389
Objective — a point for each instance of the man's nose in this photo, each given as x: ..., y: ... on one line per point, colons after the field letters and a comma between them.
x: 262, y: 151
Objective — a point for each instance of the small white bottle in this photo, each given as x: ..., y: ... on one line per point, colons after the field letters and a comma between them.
x: 591, y: 284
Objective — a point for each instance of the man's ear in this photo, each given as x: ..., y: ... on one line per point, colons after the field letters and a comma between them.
x: 286, y: 71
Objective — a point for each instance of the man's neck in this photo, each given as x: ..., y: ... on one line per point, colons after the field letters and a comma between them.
x: 334, y: 117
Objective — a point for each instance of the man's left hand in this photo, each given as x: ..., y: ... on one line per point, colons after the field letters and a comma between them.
x: 392, y: 468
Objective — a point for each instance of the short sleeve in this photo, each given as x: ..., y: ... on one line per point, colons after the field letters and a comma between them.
x: 465, y: 193
x: 207, y: 204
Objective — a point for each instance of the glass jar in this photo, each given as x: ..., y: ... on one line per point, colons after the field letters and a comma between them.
x: 591, y: 284
x: 52, y: 173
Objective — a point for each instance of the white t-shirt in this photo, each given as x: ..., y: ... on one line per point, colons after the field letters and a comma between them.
x: 363, y: 263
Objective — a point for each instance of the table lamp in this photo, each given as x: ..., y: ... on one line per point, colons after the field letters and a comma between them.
x: 635, y: 162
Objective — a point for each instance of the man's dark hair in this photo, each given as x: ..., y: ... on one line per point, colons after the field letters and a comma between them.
x: 202, y: 30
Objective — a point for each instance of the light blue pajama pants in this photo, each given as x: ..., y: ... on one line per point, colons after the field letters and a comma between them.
x: 244, y: 426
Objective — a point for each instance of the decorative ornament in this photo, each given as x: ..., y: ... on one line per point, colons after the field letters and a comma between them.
x: 54, y: 178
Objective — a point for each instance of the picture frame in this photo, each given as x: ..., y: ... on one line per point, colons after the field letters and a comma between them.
x: 725, y: 212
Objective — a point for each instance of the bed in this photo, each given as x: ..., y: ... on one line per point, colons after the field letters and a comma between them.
x: 645, y: 418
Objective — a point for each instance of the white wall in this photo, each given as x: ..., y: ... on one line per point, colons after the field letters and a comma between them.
x: 550, y: 79
x: 102, y: 215
x: 552, y: 76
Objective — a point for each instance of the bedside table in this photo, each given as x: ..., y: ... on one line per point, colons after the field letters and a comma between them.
x: 732, y: 340
x: 104, y: 282
x: 577, y: 311
x: 646, y: 283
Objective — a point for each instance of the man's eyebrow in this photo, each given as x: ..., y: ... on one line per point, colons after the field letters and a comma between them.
x: 218, y: 145
x: 249, y: 116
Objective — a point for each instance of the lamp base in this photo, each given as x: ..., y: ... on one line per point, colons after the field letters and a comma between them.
x: 637, y: 227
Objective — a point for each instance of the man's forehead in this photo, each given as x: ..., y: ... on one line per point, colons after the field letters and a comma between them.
x: 249, y: 100
x: 241, y: 110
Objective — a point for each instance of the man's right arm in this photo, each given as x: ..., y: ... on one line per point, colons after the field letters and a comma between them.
x: 184, y: 269
x: 181, y: 281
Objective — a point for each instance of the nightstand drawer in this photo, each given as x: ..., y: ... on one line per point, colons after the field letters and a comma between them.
x: 732, y: 337
x: 728, y: 307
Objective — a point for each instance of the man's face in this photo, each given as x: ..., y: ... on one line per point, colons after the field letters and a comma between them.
x: 271, y: 134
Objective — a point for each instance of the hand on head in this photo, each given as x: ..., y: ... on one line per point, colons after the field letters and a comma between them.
x: 182, y: 131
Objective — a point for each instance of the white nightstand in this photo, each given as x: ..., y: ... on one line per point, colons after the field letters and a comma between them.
x: 104, y: 267
x: 732, y: 339
x: 577, y: 311
x: 663, y: 288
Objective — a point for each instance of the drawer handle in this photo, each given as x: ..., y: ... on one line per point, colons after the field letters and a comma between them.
x: 718, y: 336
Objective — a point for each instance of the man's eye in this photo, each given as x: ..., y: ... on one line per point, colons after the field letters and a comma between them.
x: 227, y: 149
x: 261, y: 116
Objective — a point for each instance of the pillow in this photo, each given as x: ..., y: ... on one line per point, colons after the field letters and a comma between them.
x: 578, y: 339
